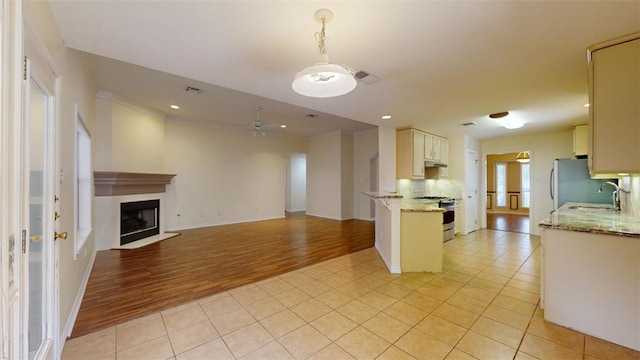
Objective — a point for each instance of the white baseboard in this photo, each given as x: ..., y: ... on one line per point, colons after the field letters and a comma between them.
x: 392, y: 269
x: 76, y: 305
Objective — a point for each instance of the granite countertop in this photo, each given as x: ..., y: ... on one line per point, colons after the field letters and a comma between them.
x: 593, y: 218
x: 382, y: 195
x: 409, y: 205
x: 419, y: 205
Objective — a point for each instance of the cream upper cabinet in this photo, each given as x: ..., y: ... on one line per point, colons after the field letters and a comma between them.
x: 432, y: 147
x: 444, y: 157
x: 581, y: 140
x: 614, y: 114
x: 410, y: 154
x: 440, y: 172
x: 413, y: 147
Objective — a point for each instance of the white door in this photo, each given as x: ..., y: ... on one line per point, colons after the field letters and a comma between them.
x: 39, y: 213
x: 471, y: 179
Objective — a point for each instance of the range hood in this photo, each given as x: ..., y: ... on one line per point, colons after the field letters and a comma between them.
x: 434, y: 164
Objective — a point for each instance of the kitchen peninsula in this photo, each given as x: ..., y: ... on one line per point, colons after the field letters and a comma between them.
x: 408, y: 233
x: 591, y: 272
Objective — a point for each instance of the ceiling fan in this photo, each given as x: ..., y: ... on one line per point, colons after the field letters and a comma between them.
x: 258, y: 127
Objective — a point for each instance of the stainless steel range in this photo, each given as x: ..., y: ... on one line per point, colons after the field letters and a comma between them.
x: 448, y: 217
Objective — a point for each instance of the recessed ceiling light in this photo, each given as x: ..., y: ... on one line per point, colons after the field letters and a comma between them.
x: 386, y: 117
x: 586, y: 105
x: 176, y: 107
x: 283, y: 126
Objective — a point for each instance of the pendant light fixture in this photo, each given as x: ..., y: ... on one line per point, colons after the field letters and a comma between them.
x: 323, y: 79
x: 523, y: 157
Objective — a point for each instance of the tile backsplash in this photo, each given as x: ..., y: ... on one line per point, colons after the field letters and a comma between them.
x: 413, y: 188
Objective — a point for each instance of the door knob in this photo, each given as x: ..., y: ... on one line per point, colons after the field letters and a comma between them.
x: 62, y: 235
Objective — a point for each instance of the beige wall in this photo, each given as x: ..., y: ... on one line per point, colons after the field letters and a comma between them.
x: 129, y: 138
x: 387, y: 159
x: 77, y: 87
x: 365, y: 149
x: 324, y: 183
x: 346, y: 177
x: 224, y: 177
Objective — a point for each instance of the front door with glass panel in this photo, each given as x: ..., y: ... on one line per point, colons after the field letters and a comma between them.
x: 39, y: 184
x: 39, y: 229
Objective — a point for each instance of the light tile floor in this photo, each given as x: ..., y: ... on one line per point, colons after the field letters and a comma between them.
x: 483, y: 306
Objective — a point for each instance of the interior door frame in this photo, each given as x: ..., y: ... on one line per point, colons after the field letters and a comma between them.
x: 483, y: 208
x: 39, y: 68
x: 11, y: 74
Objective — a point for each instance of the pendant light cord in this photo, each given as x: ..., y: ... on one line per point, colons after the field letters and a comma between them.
x: 322, y: 39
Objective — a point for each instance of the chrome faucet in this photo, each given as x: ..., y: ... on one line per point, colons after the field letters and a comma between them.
x: 615, y: 195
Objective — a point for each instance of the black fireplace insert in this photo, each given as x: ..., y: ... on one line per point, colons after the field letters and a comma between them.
x: 138, y: 220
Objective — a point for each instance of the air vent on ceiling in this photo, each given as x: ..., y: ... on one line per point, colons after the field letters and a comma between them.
x: 470, y: 123
x: 191, y: 89
x: 365, y: 77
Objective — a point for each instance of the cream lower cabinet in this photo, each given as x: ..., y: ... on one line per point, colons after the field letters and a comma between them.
x: 591, y: 283
x: 614, y: 114
x: 421, y: 241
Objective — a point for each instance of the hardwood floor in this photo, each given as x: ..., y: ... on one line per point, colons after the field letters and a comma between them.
x: 126, y: 284
x: 508, y: 222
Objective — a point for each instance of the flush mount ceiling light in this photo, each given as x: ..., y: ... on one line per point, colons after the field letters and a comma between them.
x: 508, y: 123
x: 499, y: 115
x: 323, y: 79
x: 523, y: 157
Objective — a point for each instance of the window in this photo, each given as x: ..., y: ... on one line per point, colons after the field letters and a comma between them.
x: 525, y: 186
x: 501, y: 184
x: 83, y: 179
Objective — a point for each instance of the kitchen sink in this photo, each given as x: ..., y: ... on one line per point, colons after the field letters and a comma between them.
x: 591, y: 207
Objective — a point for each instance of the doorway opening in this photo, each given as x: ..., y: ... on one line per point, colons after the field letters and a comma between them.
x: 508, y: 191
x: 296, y: 183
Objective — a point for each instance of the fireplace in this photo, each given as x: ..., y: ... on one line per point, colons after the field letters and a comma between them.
x: 139, y: 220
x: 127, y: 206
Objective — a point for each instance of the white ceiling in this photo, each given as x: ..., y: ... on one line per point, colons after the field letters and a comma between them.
x: 440, y: 63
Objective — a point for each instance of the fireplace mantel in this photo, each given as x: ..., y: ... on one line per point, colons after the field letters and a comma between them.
x: 114, y: 183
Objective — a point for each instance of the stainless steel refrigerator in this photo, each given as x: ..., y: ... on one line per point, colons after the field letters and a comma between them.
x: 570, y: 182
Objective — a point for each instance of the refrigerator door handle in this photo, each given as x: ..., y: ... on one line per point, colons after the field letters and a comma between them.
x: 551, y: 183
